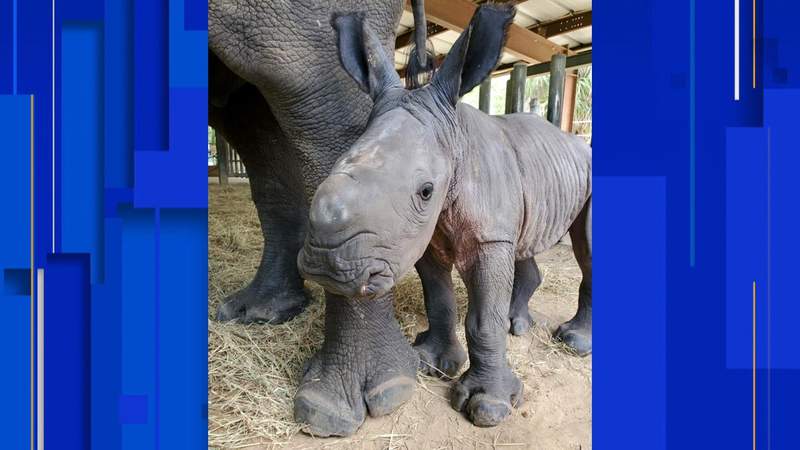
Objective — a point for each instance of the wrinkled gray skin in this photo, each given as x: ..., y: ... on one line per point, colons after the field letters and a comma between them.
x: 278, y: 94
x: 442, y: 184
x: 280, y: 98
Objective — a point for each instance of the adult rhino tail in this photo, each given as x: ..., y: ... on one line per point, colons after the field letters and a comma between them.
x: 419, y: 74
x: 421, y: 62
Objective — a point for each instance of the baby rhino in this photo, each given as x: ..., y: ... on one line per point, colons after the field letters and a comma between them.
x: 437, y: 183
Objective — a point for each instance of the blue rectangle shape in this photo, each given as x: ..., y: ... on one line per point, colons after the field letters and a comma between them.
x: 133, y: 409
x: 15, y: 128
x: 15, y: 262
x: 138, y: 307
x: 183, y: 363
x: 780, y: 118
x: 151, y: 122
x: 81, y: 171
x: 106, y: 332
x: 188, y: 51
x: 195, y: 15
x: 118, y: 68
x: 177, y: 178
x: 629, y: 365
x: 782, y: 424
x: 746, y: 241
x: 81, y: 10
x: 781, y: 64
x: 67, y: 350
x: 8, y: 28
x: 15, y: 378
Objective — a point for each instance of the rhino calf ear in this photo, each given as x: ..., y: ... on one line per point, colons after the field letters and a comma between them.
x: 350, y: 42
x: 362, y: 55
x: 476, y: 52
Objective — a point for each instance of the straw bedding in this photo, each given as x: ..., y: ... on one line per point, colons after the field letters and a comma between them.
x: 254, y: 369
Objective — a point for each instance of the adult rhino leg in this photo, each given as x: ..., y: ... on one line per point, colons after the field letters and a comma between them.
x: 527, y: 279
x: 364, y: 366
x: 577, y: 332
x: 488, y: 390
x: 276, y: 293
x: 439, y: 351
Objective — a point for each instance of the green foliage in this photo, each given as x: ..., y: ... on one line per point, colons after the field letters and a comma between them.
x: 537, y: 88
x: 582, y: 123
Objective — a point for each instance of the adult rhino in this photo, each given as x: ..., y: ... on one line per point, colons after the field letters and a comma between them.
x: 279, y: 96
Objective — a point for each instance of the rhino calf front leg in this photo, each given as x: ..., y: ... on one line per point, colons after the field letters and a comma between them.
x: 365, y: 366
x: 440, y: 353
x: 488, y: 390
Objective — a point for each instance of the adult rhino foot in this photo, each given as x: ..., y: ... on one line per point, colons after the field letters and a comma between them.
x: 252, y: 305
x: 577, y: 335
x: 439, y: 356
x: 365, y: 366
x: 486, y: 397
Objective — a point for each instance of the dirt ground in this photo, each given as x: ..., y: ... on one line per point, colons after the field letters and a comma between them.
x: 254, y: 369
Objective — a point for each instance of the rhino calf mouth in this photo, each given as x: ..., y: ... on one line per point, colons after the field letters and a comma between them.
x: 344, y: 269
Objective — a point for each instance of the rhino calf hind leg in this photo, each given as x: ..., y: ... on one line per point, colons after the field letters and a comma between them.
x: 440, y: 353
x: 365, y: 366
x: 527, y: 279
x: 577, y: 332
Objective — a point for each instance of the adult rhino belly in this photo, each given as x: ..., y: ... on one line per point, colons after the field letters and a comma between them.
x: 556, y: 170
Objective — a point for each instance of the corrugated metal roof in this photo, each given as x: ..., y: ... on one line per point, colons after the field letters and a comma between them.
x: 529, y: 13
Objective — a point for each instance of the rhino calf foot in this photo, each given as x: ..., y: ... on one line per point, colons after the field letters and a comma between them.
x: 250, y: 305
x: 439, y: 356
x: 487, y: 397
x: 365, y: 366
x: 576, y: 335
x: 577, y: 332
x: 521, y: 322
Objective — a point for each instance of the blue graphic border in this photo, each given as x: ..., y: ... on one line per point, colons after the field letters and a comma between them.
x: 114, y: 165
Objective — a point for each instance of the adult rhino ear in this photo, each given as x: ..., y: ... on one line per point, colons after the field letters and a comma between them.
x: 362, y: 55
x: 475, y: 53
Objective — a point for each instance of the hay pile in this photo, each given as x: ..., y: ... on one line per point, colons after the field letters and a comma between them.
x: 254, y: 370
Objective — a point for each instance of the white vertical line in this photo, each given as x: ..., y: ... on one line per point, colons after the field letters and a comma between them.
x: 53, y: 126
x: 736, y: 50
x: 40, y: 359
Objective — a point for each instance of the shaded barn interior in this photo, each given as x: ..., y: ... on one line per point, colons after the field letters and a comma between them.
x: 253, y: 369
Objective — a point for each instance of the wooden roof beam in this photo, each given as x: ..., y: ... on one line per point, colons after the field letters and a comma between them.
x: 563, y: 25
x: 407, y: 37
x: 522, y: 43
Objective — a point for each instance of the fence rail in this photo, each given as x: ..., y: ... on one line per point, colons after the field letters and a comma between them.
x: 235, y: 164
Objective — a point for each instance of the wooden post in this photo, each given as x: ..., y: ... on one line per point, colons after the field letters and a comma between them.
x: 568, y: 112
x: 555, y: 98
x: 518, y: 77
x: 485, y: 96
x: 222, y: 158
x: 508, y: 96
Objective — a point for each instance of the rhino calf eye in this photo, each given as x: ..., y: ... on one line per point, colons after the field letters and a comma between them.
x: 426, y: 191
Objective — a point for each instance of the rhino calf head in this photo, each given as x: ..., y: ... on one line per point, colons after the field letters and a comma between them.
x: 374, y: 216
